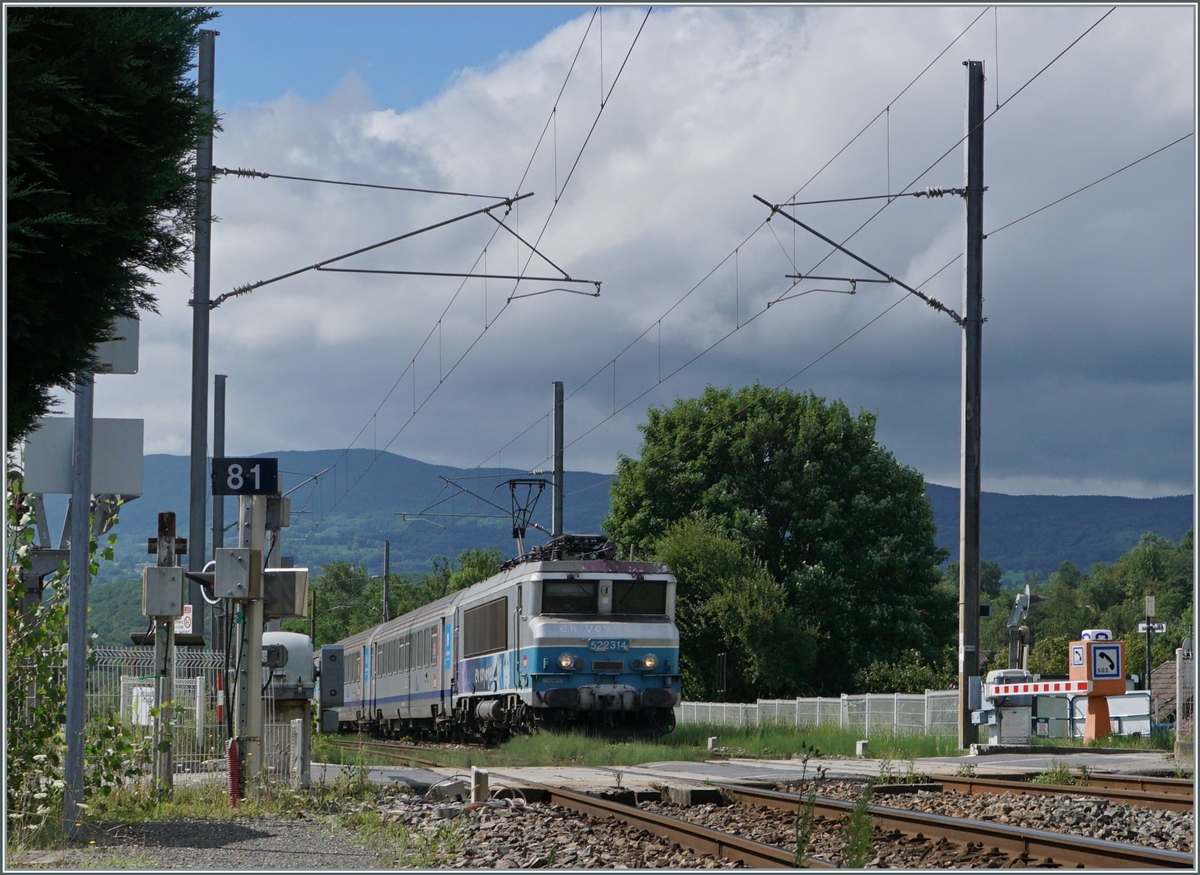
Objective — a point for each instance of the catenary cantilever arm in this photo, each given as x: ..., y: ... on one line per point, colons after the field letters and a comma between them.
x: 932, y: 302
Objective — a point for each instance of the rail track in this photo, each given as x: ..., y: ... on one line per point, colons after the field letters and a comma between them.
x: 1053, y: 848
x: 966, y: 837
x: 1168, y: 794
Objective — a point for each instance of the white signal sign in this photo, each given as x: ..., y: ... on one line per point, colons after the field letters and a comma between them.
x: 1106, y: 662
x: 1156, y: 628
x: 1077, y: 655
x: 183, y: 625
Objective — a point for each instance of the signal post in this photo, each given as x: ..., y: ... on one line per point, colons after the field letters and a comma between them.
x: 162, y: 602
x: 257, y: 593
x: 238, y: 577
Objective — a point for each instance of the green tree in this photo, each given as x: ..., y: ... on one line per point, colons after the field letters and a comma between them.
x: 991, y: 582
x: 36, y: 694
x: 910, y: 673
x: 347, y: 600
x: 1048, y: 655
x: 727, y: 602
x: 845, y: 528
x: 102, y: 121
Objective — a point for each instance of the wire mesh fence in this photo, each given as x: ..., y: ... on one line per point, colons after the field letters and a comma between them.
x: 1185, y: 703
x: 934, y: 712
x: 120, y: 687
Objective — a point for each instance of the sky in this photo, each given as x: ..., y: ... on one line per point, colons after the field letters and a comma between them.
x: 642, y: 140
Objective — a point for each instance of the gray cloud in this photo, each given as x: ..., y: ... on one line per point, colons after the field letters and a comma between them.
x: 1089, y: 346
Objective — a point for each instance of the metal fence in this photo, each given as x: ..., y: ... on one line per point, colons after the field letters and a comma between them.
x: 1185, y: 704
x: 120, y: 687
x: 933, y: 713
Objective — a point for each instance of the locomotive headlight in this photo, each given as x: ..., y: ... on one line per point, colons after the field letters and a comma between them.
x: 649, y: 661
x: 566, y: 661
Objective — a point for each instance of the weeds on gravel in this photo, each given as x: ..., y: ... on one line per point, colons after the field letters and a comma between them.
x: 806, y: 808
x: 889, y: 775
x: 859, y: 832
x: 1060, y: 773
x: 399, y: 846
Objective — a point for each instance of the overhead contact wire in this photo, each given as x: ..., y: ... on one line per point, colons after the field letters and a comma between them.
x: 821, y: 170
x: 418, y: 408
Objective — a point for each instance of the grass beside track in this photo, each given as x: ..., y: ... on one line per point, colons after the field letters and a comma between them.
x: 686, y: 743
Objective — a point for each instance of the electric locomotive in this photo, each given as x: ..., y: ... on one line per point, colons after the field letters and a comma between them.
x: 563, y: 636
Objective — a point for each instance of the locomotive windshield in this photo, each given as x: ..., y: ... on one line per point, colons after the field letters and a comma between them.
x: 629, y: 597
x: 569, y: 597
x: 639, y: 597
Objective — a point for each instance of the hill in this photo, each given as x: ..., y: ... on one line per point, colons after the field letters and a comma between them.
x: 1023, y: 533
x: 1037, y: 533
x: 331, y: 523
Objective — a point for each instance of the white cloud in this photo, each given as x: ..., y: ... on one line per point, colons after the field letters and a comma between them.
x: 713, y: 106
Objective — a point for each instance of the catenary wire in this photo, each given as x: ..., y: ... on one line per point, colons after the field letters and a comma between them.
x: 962, y: 139
x: 765, y: 222
x: 944, y: 267
x: 888, y: 310
x: 1089, y: 185
x: 549, y: 217
x: 696, y: 435
x: 429, y: 335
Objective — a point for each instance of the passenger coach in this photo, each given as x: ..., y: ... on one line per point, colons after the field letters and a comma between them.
x: 565, y: 635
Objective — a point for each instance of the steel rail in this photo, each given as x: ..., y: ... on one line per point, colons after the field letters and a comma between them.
x: 1050, y: 847
x: 1172, y: 786
x: 699, y: 838
x: 1030, y: 844
x: 1124, y: 794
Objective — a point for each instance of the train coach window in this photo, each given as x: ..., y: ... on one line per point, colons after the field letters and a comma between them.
x: 639, y: 597
x: 569, y: 597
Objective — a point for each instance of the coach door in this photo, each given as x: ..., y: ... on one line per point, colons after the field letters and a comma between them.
x: 404, y: 687
x: 447, y: 665
x: 369, y: 667
x: 516, y: 660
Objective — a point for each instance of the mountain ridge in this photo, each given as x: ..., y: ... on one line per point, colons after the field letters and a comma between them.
x: 345, y: 504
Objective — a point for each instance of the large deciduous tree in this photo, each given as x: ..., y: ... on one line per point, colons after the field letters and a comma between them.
x: 103, y: 122
x: 728, y: 603
x: 845, y: 529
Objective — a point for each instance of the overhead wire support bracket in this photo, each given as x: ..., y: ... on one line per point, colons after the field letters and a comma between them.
x: 477, y: 276
x: 932, y: 302
x: 566, y: 277
x: 853, y: 290
x: 930, y: 191
x: 246, y: 173
x: 242, y: 290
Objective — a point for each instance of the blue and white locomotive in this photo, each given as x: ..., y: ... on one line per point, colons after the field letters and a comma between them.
x: 565, y: 635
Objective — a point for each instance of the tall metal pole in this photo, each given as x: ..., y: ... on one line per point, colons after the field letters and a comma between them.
x: 969, y: 494
x: 217, y: 633
x: 80, y: 560
x: 556, y: 520
x: 200, y: 313
x: 387, y: 573
x: 218, y: 505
